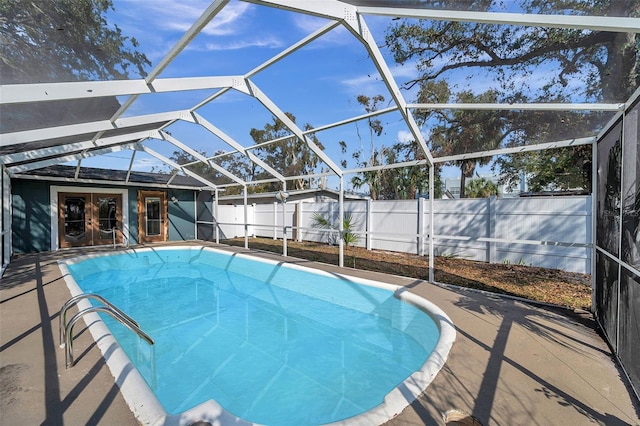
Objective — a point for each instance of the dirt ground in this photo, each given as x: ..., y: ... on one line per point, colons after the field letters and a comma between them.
x: 567, y: 289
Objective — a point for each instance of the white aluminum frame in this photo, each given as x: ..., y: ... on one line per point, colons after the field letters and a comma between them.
x: 338, y: 13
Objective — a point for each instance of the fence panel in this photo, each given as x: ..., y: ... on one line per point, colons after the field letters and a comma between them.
x: 557, y: 223
x: 394, y: 225
x: 558, y: 228
x: 467, y: 220
x: 231, y: 219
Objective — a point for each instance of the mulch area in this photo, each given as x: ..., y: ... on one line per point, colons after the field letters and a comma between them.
x: 566, y: 289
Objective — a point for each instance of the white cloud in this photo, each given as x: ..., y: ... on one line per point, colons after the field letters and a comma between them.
x: 227, y: 21
x: 146, y: 164
x: 267, y: 42
x: 175, y: 16
x: 307, y: 24
x: 404, y: 136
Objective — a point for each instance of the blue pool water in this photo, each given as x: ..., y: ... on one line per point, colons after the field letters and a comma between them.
x: 271, y: 344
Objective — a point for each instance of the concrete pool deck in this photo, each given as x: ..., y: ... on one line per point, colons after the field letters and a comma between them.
x: 512, y: 362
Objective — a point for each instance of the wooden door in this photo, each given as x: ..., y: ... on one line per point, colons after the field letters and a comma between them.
x: 86, y: 219
x: 152, y: 216
x: 107, y: 214
x: 75, y: 220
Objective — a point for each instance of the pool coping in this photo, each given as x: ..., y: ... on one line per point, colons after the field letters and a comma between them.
x: 149, y: 411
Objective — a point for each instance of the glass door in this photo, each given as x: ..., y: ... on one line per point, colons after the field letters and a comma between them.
x: 89, y: 219
x: 152, y: 216
x: 74, y: 221
x: 109, y: 217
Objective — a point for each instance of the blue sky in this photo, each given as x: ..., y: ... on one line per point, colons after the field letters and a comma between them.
x: 318, y: 84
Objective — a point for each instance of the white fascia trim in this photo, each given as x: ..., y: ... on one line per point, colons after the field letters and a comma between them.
x: 90, y: 127
x: 52, y: 161
x: 596, y: 23
x: 57, y: 150
x: 42, y: 92
x: 108, y: 182
x: 53, y: 194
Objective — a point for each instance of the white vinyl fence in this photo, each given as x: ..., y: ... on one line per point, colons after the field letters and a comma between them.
x: 553, y: 232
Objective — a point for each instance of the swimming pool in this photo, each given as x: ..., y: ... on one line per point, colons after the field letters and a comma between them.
x: 262, y: 341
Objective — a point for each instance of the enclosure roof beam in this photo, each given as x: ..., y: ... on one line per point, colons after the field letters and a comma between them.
x: 312, y: 130
x: 518, y: 149
x: 596, y: 23
x: 64, y: 159
x: 348, y: 15
x: 316, y: 34
x: 60, y: 150
x: 308, y: 39
x: 358, y: 27
x: 167, y: 137
x: 540, y: 106
x: 27, y: 136
x: 44, y: 92
x: 278, y: 113
x: 512, y: 150
x: 351, y: 120
x: 175, y: 165
x: 214, y: 8
x: 234, y: 144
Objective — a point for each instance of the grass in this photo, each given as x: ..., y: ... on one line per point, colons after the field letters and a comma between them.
x: 566, y: 289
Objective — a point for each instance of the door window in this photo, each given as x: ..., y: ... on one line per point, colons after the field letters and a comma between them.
x: 153, y: 216
x: 107, y: 216
x: 75, y: 225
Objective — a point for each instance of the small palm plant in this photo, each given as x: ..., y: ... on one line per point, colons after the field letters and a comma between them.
x: 348, y: 236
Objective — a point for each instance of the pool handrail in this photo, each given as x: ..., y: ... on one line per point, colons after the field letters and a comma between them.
x: 115, y: 313
x: 62, y: 316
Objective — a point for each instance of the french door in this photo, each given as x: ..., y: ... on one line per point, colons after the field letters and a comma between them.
x: 152, y: 216
x: 88, y: 219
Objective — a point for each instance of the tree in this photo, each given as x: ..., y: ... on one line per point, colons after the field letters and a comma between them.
x: 464, y: 131
x: 388, y: 183
x: 481, y: 188
x: 237, y: 165
x: 371, y: 178
x: 606, y: 62
x: 290, y: 156
x: 318, y: 220
x: 593, y: 65
x: 554, y: 169
x: 63, y: 40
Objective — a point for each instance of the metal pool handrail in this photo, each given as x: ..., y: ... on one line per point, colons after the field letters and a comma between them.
x: 66, y: 329
x: 108, y: 310
x: 62, y: 316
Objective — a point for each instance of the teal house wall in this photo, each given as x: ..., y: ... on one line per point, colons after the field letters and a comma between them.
x: 182, y: 214
x: 31, y: 216
x: 133, y: 216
